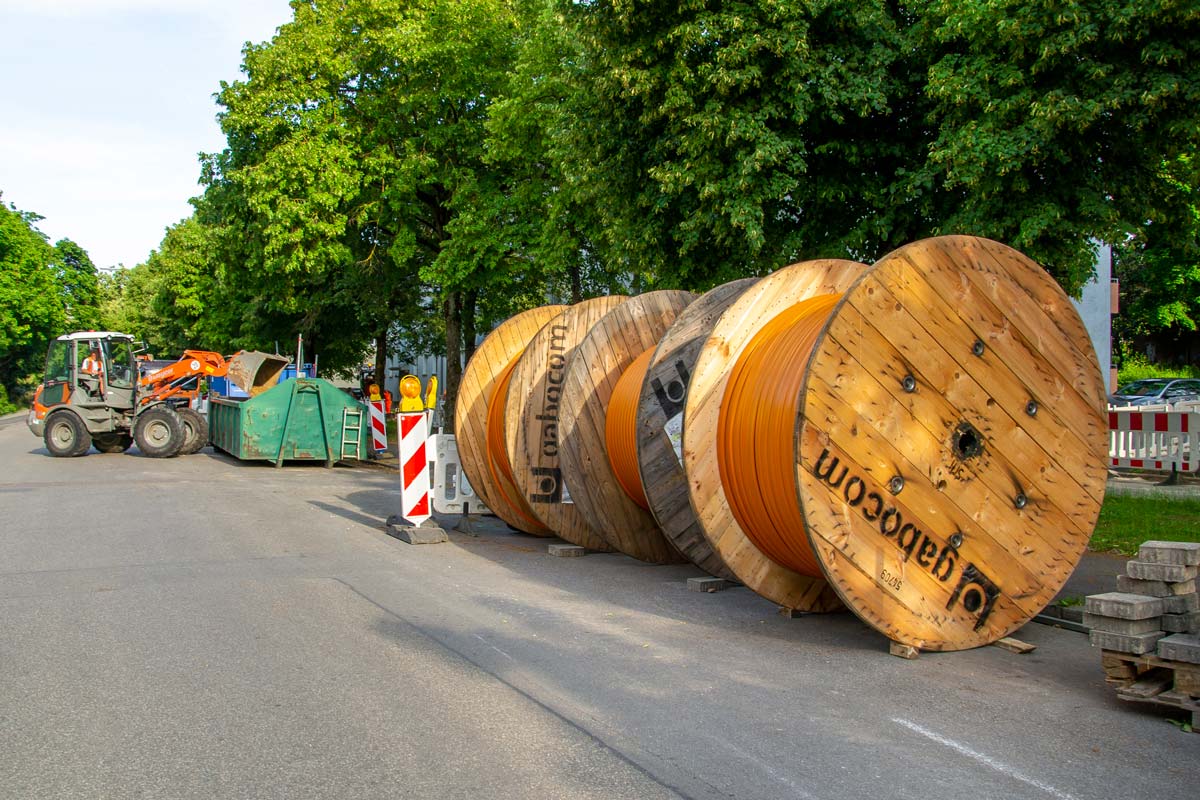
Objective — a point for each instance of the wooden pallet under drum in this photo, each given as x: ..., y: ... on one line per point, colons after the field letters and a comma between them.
x: 1150, y: 679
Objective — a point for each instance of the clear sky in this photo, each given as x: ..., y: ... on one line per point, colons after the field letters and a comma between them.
x: 105, y: 104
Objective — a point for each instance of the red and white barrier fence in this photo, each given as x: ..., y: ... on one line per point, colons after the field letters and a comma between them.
x: 414, y: 467
x: 378, y: 425
x: 1154, y: 439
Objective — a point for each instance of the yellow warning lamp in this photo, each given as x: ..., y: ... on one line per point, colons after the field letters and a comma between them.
x: 410, y: 394
x: 431, y: 392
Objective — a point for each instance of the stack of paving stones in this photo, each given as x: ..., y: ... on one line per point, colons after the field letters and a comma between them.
x: 1156, y: 607
x: 1150, y: 629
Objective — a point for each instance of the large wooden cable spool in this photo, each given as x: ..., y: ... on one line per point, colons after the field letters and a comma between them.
x: 476, y: 397
x: 736, y: 328
x: 598, y: 451
x: 950, y: 446
x: 660, y: 425
x: 534, y: 421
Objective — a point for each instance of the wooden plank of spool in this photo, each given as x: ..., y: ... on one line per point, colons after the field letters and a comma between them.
x: 660, y: 425
x: 737, y: 326
x: 532, y: 423
x: 475, y: 391
x: 602, y: 356
x: 950, y: 453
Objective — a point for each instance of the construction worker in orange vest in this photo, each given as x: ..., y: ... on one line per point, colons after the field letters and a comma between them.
x: 93, y: 366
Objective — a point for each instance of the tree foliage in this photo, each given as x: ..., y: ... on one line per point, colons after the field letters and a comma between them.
x: 399, y: 169
x: 78, y: 285
x: 1159, y: 269
x: 44, y: 292
x: 694, y: 142
x: 1054, y: 120
x: 709, y: 138
x: 353, y: 189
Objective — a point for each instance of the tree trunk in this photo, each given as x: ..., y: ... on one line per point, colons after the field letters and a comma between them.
x: 381, y: 354
x: 470, y: 298
x: 576, y: 283
x: 452, y: 314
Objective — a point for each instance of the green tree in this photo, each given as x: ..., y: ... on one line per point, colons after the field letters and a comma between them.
x: 695, y: 141
x: 1159, y: 268
x: 528, y: 138
x: 1052, y: 120
x: 353, y: 187
x: 117, y: 300
x: 31, y: 302
x: 78, y: 283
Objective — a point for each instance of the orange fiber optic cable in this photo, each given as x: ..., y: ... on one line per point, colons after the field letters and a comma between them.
x: 757, y: 429
x: 620, y: 428
x: 497, y: 452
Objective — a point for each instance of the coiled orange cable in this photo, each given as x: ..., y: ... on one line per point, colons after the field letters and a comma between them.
x: 620, y: 428
x: 497, y: 451
x: 757, y: 429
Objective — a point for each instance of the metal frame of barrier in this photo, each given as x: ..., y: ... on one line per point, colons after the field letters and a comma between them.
x: 1155, y: 437
x: 452, y: 493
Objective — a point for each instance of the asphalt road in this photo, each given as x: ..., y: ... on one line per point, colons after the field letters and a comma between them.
x: 200, y: 627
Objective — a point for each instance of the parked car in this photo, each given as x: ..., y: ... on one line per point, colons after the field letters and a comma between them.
x: 1157, y: 391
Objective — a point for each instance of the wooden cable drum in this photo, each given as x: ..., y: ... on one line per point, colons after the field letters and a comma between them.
x: 477, y: 395
x: 732, y: 333
x: 598, y: 428
x: 533, y: 423
x: 660, y: 425
x: 950, y: 443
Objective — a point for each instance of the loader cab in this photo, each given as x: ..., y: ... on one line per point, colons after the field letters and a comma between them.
x: 90, y: 369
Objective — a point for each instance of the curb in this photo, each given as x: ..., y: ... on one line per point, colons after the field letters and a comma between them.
x: 13, y: 418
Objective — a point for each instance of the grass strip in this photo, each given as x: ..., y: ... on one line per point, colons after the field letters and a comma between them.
x: 1128, y: 520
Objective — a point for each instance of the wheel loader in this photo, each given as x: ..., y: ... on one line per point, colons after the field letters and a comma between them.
x: 93, y: 394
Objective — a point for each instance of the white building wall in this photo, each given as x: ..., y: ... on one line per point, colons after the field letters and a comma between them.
x: 1095, y: 307
x: 422, y: 367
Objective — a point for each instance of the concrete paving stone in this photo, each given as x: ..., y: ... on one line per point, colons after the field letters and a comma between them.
x: 709, y: 584
x: 425, y: 533
x: 1181, y: 623
x: 566, y: 550
x: 1139, y: 644
x: 1147, y: 571
x: 1072, y: 613
x: 1126, y: 627
x: 1154, y: 588
x: 1180, y: 647
x: 1123, y: 605
x: 1181, y: 553
x: 1181, y: 604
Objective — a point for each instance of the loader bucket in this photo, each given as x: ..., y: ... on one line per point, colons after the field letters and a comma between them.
x: 256, y: 372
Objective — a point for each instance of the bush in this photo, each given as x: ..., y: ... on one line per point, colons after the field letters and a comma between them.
x: 1137, y: 367
x: 6, y: 405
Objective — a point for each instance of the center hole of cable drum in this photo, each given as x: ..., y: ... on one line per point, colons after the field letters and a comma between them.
x: 966, y: 442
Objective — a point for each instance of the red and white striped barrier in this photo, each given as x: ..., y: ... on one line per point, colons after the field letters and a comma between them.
x: 414, y: 467
x: 1154, y: 439
x: 378, y: 425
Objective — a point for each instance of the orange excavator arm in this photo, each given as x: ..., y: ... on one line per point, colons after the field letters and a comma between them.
x: 170, y: 380
x: 193, y: 363
x: 255, y: 372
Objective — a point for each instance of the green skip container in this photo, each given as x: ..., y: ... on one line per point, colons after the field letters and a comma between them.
x: 303, y: 419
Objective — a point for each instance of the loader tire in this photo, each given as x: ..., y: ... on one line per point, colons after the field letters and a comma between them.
x: 195, y: 428
x: 112, y: 442
x: 159, y: 432
x: 66, y: 436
